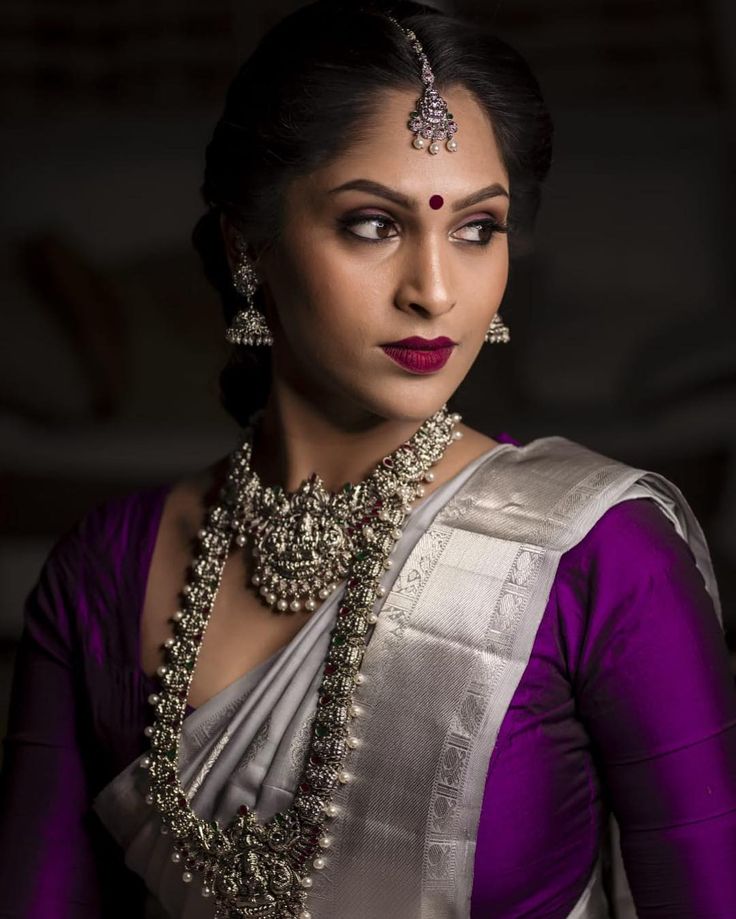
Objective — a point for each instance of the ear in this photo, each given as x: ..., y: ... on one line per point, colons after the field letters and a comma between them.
x: 228, y: 238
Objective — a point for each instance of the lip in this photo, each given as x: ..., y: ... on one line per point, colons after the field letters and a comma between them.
x: 417, y: 343
x: 419, y: 360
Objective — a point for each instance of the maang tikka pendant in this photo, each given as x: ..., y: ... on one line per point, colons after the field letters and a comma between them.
x: 430, y: 122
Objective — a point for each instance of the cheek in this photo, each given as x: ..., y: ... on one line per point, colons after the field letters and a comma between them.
x: 324, y: 291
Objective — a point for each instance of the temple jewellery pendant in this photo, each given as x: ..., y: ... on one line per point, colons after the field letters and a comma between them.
x: 264, y: 869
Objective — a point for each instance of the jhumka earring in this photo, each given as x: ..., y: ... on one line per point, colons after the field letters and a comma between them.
x: 249, y: 325
x: 498, y: 332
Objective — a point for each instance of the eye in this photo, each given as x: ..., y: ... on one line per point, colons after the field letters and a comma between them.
x: 482, y: 231
x: 376, y: 226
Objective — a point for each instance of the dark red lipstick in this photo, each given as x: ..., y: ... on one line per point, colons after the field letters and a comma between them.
x: 420, y: 355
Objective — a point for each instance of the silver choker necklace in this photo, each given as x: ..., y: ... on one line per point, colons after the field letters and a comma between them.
x: 304, y: 542
x: 263, y: 869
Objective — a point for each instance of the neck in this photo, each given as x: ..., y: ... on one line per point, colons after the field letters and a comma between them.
x: 294, y: 440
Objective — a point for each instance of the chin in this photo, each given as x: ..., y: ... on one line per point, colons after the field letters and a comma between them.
x: 405, y: 403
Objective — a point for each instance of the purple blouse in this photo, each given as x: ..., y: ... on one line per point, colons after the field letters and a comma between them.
x: 627, y: 703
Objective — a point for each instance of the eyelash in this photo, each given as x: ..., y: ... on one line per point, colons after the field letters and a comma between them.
x: 494, y: 225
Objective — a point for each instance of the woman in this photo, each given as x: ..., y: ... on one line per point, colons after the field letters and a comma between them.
x: 417, y: 684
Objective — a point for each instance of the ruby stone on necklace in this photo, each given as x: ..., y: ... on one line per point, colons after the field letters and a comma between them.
x: 303, y: 543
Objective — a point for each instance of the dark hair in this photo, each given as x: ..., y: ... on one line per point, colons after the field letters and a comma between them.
x: 300, y: 100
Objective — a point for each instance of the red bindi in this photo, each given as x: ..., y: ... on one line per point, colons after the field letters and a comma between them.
x: 436, y: 202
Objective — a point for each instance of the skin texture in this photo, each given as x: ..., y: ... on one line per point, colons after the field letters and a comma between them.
x: 335, y: 293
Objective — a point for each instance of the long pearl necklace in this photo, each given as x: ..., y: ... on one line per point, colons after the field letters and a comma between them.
x: 263, y: 869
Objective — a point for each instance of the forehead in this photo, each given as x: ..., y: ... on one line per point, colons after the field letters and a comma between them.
x: 383, y: 151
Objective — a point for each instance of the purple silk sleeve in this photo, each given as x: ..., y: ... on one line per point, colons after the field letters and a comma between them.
x: 656, y: 693
x: 627, y: 703
x: 56, y: 860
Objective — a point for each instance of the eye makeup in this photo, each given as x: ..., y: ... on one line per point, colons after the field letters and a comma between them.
x: 385, y: 227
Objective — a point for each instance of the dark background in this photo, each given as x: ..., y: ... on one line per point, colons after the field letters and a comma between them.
x: 622, y: 316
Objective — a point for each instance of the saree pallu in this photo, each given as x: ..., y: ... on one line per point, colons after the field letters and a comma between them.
x: 454, y: 635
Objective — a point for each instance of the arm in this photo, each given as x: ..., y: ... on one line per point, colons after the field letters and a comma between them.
x: 654, y: 689
x: 47, y: 866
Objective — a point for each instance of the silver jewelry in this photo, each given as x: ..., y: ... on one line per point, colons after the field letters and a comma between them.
x: 303, y: 543
x: 430, y: 122
x: 249, y: 326
x: 263, y: 869
x: 498, y: 332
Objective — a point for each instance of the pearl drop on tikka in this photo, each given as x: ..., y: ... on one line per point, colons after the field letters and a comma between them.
x: 187, y: 877
x: 457, y: 435
x: 148, y: 730
x: 418, y: 143
x: 175, y: 857
x: 149, y: 799
x: 324, y: 842
x: 429, y: 477
x: 355, y: 711
x: 343, y: 777
x: 372, y: 618
x: 451, y: 145
x: 154, y: 698
x: 146, y: 762
x: 311, y: 604
x: 177, y: 616
x: 305, y: 914
x: 434, y: 148
x: 162, y: 670
x: 381, y: 590
x: 359, y: 679
x: 169, y: 643
x: 295, y: 606
x: 353, y: 743
x: 206, y: 892
x: 201, y: 533
x: 332, y: 810
x: 319, y: 863
x: 283, y: 605
x: 306, y: 882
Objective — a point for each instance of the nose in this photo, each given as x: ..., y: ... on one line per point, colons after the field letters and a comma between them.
x: 425, y: 285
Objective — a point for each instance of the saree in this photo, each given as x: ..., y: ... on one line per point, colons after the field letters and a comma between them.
x: 472, y: 576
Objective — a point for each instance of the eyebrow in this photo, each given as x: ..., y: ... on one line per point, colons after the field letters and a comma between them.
x: 390, y: 194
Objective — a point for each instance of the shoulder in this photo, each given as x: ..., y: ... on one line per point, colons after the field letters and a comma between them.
x: 128, y: 519
x: 634, y: 557
x: 631, y: 590
x: 634, y: 532
x: 108, y: 527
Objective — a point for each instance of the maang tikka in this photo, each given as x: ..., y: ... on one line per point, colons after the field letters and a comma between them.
x: 430, y: 122
x: 249, y: 325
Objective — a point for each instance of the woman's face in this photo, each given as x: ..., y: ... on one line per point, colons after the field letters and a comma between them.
x: 385, y: 243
